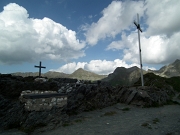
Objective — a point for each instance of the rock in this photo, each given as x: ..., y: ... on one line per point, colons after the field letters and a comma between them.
x: 10, y: 113
x: 69, y: 90
x: 82, y: 89
x: 131, y: 96
x: 85, y: 97
x: 41, y: 80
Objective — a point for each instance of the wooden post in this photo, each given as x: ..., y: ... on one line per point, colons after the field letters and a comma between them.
x: 139, y: 29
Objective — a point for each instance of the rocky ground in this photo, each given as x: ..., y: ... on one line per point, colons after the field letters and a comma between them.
x: 119, y: 119
x: 84, y: 97
x: 122, y: 119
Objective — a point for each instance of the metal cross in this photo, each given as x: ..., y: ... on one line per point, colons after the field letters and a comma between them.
x: 139, y: 29
x: 39, y: 68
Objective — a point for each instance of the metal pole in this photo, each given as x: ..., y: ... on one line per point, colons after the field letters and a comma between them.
x: 142, y: 80
x: 40, y: 69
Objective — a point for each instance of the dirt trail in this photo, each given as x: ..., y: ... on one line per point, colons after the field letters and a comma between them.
x: 119, y: 120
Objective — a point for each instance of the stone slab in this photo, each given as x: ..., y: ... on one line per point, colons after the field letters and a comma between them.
x: 44, y: 95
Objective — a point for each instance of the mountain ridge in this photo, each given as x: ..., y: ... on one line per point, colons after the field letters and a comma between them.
x: 121, y: 75
x: 124, y: 76
x: 80, y: 74
x: 171, y: 70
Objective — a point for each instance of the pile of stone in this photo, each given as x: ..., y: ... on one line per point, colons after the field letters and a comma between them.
x: 42, y: 100
x: 87, y: 98
x: 12, y: 86
x: 81, y: 96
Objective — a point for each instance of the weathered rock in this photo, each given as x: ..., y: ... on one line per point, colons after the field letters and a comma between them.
x: 41, y: 80
x: 85, y: 97
x: 131, y: 96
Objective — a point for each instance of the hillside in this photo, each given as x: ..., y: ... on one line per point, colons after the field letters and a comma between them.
x: 150, y: 79
x: 170, y: 70
x: 53, y: 74
x: 25, y: 74
x: 82, y: 74
x: 123, y: 76
x: 48, y: 74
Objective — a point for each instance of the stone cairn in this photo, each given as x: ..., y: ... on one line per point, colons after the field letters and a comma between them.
x: 40, y: 101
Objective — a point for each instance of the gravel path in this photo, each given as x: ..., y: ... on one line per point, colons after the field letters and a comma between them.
x: 119, y: 120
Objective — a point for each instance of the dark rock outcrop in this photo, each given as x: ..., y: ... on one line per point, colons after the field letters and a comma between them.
x: 170, y: 70
x: 124, y: 77
x: 12, y: 86
x: 84, y: 97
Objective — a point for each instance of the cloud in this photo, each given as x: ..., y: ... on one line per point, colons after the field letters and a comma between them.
x: 105, y: 67
x: 162, y: 17
x: 70, y: 67
x: 116, y: 17
x: 155, y: 49
x: 102, y: 67
x: 160, y: 39
x: 25, y: 39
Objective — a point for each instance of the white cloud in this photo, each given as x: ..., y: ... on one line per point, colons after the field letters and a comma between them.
x: 163, y: 17
x: 160, y: 41
x: 116, y: 17
x: 70, y: 67
x: 25, y: 39
x: 102, y: 67
x: 105, y: 67
x: 155, y: 49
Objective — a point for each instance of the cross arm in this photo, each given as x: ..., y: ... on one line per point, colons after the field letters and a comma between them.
x: 39, y: 67
x: 138, y: 26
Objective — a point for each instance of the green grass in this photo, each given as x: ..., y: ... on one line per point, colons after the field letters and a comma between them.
x: 178, y: 96
x: 145, y: 124
x: 169, y: 134
x: 78, y: 120
x: 32, y: 128
x: 151, y: 79
x: 66, y: 124
x: 126, y: 109
x: 111, y: 113
x: 155, y: 121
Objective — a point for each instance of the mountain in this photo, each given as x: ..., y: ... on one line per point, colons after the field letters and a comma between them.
x: 150, y: 79
x: 48, y: 74
x: 78, y: 74
x: 123, y: 76
x: 25, y: 74
x: 52, y: 74
x: 168, y: 71
x: 82, y: 74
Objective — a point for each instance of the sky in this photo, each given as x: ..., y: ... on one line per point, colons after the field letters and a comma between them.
x: 96, y: 35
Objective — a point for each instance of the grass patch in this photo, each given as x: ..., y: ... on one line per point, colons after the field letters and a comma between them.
x: 155, y: 121
x: 155, y: 104
x: 145, y: 124
x: 178, y: 96
x: 111, y: 113
x: 171, y: 102
x: 32, y: 128
x: 126, y: 109
x: 66, y: 124
x: 169, y: 134
x: 78, y: 120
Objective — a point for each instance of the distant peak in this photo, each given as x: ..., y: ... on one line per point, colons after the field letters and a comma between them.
x: 80, y: 69
x: 177, y: 61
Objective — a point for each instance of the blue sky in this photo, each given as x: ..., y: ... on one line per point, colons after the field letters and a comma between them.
x: 96, y: 35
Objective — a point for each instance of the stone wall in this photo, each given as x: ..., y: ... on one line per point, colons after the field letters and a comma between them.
x: 41, y: 104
